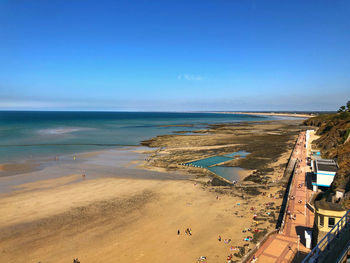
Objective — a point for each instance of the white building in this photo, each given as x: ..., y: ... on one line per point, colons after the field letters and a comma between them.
x: 324, y: 172
x: 308, y: 135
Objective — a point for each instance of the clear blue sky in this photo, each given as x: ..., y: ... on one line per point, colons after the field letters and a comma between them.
x: 173, y: 55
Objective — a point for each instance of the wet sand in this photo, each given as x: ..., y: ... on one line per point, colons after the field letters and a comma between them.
x: 121, y: 212
x: 118, y: 163
x: 17, y: 168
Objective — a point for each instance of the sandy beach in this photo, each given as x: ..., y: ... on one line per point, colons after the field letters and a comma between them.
x: 133, y: 201
x: 119, y: 220
x: 174, y: 131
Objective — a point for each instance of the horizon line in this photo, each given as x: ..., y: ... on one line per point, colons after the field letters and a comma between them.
x: 171, y: 111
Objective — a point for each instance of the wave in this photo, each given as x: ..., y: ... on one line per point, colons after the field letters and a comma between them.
x: 63, y: 130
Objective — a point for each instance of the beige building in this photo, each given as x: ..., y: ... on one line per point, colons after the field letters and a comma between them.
x: 327, y: 215
x: 327, y: 219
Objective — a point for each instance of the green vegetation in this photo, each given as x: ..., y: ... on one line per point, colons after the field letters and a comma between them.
x: 344, y: 109
x: 341, y: 109
x: 334, y: 130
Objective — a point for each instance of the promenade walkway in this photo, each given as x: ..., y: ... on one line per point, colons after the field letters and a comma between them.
x: 283, y: 247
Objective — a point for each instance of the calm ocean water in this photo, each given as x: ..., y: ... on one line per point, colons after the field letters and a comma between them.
x: 26, y: 135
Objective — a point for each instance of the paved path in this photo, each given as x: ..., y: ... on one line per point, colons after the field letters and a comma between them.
x: 282, y: 247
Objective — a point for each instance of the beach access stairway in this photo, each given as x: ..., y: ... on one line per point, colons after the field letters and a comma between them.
x: 334, y: 246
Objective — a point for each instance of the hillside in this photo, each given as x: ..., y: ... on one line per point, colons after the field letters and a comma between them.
x: 334, y: 142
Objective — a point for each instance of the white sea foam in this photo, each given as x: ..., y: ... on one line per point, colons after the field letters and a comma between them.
x: 62, y: 130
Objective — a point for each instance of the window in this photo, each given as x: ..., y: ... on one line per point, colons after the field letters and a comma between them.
x: 321, y: 220
x: 331, y: 222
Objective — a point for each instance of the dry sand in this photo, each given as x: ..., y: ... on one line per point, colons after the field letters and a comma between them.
x: 119, y: 220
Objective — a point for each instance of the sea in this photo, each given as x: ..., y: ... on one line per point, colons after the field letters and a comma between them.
x: 31, y: 134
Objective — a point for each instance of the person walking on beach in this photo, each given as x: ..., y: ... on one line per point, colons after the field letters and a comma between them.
x: 178, y: 232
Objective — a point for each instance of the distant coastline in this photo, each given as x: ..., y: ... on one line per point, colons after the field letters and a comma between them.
x: 282, y: 114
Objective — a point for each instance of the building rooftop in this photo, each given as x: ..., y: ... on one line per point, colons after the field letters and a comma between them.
x: 323, y: 204
x: 327, y: 161
x: 326, y: 165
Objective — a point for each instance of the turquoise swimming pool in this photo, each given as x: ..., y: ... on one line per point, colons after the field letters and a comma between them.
x: 205, y: 163
x: 211, y: 163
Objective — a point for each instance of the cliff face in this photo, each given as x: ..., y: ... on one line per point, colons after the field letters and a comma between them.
x: 334, y: 142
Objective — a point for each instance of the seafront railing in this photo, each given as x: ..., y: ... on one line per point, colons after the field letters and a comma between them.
x: 333, y: 245
x: 285, y: 202
x: 290, y: 170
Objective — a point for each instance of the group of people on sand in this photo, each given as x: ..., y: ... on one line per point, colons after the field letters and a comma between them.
x: 74, y: 158
x: 229, y: 258
x: 245, y: 230
x: 202, y: 258
x: 188, y: 231
x: 226, y: 241
x: 274, y: 196
x: 57, y: 157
